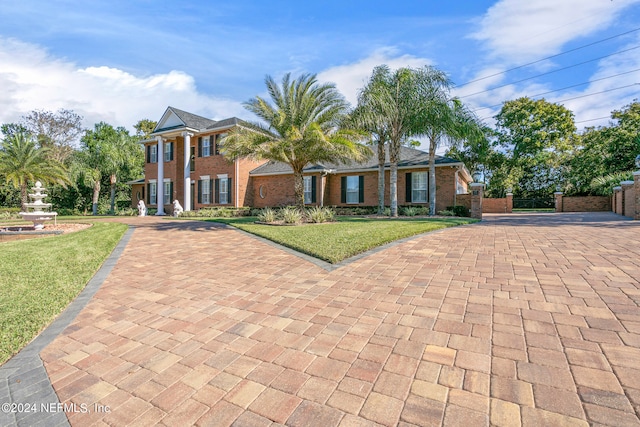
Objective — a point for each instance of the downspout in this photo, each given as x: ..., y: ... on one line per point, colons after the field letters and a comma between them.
x: 237, y: 183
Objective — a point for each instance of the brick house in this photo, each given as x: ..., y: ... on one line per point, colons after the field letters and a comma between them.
x: 211, y: 180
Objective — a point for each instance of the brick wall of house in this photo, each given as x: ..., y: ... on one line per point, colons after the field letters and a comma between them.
x: 138, y: 192
x: 277, y: 190
x: 586, y: 204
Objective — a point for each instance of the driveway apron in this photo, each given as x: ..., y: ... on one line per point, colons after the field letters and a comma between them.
x: 518, y: 320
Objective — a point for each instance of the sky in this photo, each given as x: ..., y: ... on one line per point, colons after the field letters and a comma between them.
x: 121, y: 61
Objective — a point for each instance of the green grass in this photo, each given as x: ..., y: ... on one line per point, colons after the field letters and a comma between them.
x: 334, y: 242
x: 40, y: 277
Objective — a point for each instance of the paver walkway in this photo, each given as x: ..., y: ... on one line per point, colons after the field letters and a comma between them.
x: 519, y: 320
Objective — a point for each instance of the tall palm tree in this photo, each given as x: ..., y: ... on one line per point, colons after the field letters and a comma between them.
x: 303, y: 124
x: 445, y: 119
x: 22, y: 162
x: 393, y: 104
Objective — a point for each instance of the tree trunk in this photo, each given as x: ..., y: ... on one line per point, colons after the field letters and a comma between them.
x: 394, y: 149
x: 381, y: 159
x: 113, y: 194
x: 432, y: 175
x: 96, y: 196
x: 298, y: 188
x: 23, y: 196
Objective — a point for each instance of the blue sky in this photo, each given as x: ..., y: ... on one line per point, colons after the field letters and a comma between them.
x: 121, y: 61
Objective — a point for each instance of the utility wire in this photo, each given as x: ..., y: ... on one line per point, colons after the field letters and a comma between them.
x: 550, y: 72
x: 587, y: 95
x: 566, y: 87
x: 548, y: 57
x: 592, y: 120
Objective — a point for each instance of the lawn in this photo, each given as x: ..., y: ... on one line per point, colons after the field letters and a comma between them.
x: 40, y: 277
x: 349, y: 236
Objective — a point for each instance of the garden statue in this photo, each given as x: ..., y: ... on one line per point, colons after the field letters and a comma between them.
x: 142, y: 209
x: 177, y: 208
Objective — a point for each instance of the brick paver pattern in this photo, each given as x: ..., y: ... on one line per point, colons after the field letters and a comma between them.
x: 509, y: 322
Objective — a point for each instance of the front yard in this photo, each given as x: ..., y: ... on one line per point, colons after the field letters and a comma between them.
x: 40, y: 277
x: 349, y: 236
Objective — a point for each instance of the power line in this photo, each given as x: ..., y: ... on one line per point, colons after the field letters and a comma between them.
x: 550, y: 72
x: 549, y: 57
x: 566, y: 87
x: 592, y: 120
x: 585, y: 96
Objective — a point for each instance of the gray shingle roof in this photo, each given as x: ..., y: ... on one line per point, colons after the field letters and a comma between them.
x: 194, y: 121
x: 408, y: 157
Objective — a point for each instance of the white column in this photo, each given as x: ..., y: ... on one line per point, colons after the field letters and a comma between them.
x: 187, y: 170
x: 160, y: 188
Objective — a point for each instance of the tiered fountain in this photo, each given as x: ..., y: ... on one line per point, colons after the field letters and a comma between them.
x: 38, y: 215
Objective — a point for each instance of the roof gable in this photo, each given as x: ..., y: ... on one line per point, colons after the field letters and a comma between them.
x: 174, y: 118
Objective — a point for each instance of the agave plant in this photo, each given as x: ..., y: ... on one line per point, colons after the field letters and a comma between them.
x: 603, y: 185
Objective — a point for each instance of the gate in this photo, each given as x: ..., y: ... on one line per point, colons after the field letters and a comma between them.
x: 538, y: 203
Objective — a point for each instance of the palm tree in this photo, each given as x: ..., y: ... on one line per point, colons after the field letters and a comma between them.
x: 22, y: 162
x: 445, y: 118
x: 305, y: 124
x: 392, y: 106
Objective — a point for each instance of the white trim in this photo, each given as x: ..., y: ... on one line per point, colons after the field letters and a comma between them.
x: 225, y: 175
x: 166, y: 180
x: 205, y: 177
x: 153, y: 180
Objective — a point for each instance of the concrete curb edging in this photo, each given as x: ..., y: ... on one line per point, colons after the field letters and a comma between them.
x: 24, y: 383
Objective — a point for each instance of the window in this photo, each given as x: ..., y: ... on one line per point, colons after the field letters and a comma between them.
x: 352, y: 189
x: 152, y: 153
x: 309, y: 189
x: 168, y: 192
x: 223, y: 191
x: 168, y: 151
x: 419, y: 187
x: 205, y: 146
x: 153, y: 193
x: 205, y: 191
x: 219, y: 143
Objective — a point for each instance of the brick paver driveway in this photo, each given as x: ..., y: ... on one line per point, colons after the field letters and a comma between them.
x: 522, y: 319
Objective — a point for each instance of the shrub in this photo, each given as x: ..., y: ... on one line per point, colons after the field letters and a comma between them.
x: 127, y: 212
x: 409, y: 211
x: 291, y: 215
x: 320, y: 214
x: 387, y: 212
x: 267, y: 215
x: 459, y: 210
x: 447, y: 213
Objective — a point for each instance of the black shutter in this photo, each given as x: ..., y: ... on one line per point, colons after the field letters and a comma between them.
x: 148, y: 147
x: 214, y: 144
x: 428, y: 188
x: 211, y: 190
x: 361, y: 189
x: 199, y: 191
x: 199, y: 146
x: 229, y: 187
x: 148, y: 193
x: 171, y: 151
x: 313, y: 189
x: 343, y: 189
x: 217, y: 189
x: 408, y: 187
x: 170, y: 192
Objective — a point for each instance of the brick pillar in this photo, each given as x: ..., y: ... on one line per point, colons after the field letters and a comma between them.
x: 626, y: 187
x: 636, y: 181
x: 558, y: 198
x: 617, y: 200
x: 477, y: 190
x: 509, y: 202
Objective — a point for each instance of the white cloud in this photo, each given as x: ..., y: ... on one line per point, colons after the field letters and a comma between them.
x: 350, y: 78
x: 523, y: 30
x: 33, y: 79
